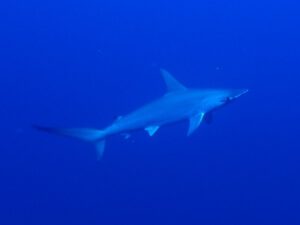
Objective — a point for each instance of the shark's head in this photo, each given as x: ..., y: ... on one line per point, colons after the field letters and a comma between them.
x: 234, y: 94
x: 218, y: 98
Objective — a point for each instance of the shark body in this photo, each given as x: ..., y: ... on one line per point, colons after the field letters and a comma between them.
x: 179, y: 103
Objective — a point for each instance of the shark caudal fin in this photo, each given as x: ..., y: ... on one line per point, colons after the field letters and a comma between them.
x: 85, y: 134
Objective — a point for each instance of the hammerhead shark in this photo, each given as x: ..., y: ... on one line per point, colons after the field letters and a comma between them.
x: 179, y: 103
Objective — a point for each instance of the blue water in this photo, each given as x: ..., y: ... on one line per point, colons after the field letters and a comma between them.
x: 83, y: 63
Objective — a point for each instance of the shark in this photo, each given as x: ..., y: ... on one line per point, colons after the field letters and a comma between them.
x: 177, y: 104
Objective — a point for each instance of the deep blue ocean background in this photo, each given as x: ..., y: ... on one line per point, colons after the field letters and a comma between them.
x: 83, y: 63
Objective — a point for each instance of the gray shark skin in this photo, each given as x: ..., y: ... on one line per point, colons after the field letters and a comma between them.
x: 179, y: 103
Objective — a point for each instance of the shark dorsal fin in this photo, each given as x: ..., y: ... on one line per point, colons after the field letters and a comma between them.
x: 171, y: 83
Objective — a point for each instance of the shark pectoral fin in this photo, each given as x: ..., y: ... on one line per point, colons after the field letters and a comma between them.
x: 171, y: 83
x: 195, y: 121
x: 126, y: 135
x: 151, y: 130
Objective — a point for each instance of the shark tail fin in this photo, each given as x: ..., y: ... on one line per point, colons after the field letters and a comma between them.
x: 94, y: 136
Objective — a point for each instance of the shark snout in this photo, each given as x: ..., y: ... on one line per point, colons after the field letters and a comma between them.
x: 237, y: 93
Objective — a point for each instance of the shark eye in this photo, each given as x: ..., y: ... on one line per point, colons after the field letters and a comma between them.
x: 226, y: 100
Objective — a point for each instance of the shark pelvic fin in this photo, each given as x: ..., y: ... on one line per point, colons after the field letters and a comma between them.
x: 171, y: 83
x: 100, y: 146
x: 195, y: 121
x: 151, y: 130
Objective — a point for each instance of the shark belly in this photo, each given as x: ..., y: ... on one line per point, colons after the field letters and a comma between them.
x: 167, y: 110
